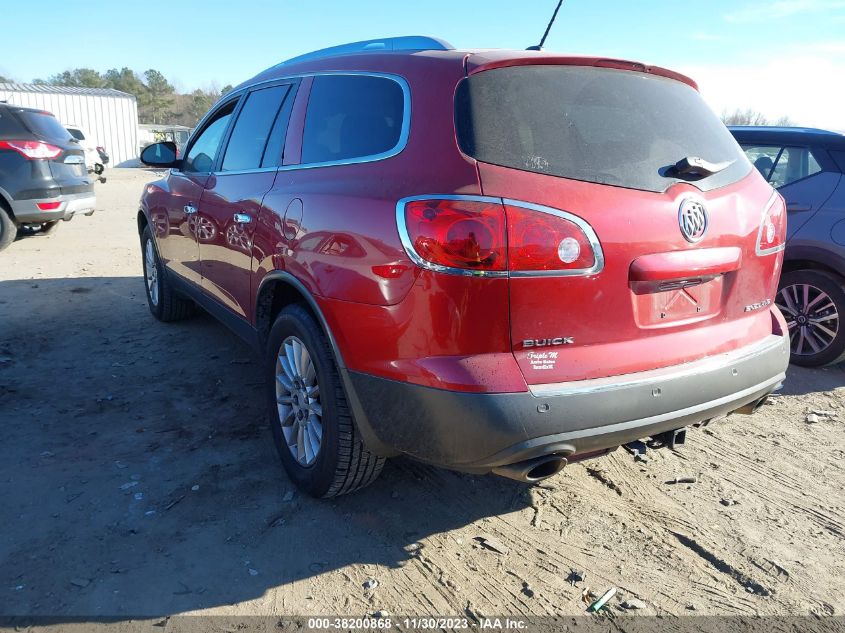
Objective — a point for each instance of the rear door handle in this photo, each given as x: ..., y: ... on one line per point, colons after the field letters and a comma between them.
x: 190, y: 209
x: 796, y: 206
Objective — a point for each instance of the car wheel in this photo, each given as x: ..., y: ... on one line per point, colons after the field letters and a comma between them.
x: 317, y: 440
x: 812, y: 301
x: 165, y: 303
x: 8, y: 230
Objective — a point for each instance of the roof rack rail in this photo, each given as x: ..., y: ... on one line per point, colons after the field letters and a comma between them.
x: 404, y: 43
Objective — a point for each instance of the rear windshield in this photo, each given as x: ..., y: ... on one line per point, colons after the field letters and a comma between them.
x: 77, y: 134
x: 598, y: 125
x: 44, y: 125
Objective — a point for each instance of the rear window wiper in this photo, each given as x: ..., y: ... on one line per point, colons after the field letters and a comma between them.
x: 695, y: 166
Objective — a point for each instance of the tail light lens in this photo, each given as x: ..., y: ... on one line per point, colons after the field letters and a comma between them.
x: 458, y: 234
x: 48, y: 206
x: 771, y: 237
x: 540, y: 241
x: 32, y: 150
x: 474, y: 235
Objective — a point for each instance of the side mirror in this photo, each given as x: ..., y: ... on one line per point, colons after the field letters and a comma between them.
x: 160, y: 154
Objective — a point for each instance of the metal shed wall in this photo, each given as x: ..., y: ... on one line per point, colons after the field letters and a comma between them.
x: 110, y: 116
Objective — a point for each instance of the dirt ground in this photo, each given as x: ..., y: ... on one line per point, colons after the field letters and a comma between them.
x: 138, y: 477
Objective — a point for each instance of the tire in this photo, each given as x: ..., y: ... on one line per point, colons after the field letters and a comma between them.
x: 338, y: 462
x: 164, y: 302
x: 8, y: 230
x: 813, y: 303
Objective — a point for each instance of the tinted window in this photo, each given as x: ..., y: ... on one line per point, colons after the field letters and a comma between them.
x: 9, y: 126
x: 351, y: 116
x: 201, y: 156
x: 45, y: 125
x: 273, y: 153
x: 77, y: 134
x: 782, y: 165
x: 593, y: 124
x: 252, y: 129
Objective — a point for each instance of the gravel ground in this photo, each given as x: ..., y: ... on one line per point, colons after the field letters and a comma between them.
x: 138, y: 477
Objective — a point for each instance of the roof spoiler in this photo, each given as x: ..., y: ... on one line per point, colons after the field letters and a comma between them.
x: 404, y: 43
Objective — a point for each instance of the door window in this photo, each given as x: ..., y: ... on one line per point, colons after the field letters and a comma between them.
x: 250, y: 134
x: 200, y: 158
x: 352, y: 117
x: 782, y: 165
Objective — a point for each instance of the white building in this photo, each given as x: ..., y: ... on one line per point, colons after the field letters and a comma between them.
x: 110, y: 116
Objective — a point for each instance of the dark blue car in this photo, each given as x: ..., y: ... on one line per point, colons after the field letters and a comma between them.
x: 806, y: 166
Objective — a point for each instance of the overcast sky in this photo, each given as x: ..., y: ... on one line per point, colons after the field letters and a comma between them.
x: 782, y: 57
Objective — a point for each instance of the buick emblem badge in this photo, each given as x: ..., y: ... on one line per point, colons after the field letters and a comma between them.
x: 692, y: 218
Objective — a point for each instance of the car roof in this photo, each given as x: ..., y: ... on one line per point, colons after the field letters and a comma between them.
x: 20, y: 108
x: 420, y: 48
x: 779, y: 134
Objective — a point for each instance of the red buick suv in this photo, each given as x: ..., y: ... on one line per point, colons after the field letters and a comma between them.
x: 485, y: 260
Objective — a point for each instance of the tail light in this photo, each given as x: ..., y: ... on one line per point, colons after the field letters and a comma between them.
x: 32, y: 150
x: 476, y: 235
x: 548, y: 240
x: 771, y: 237
x: 49, y: 206
x: 460, y: 234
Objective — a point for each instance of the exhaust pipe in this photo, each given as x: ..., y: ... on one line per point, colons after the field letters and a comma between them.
x: 533, y: 470
x: 751, y: 407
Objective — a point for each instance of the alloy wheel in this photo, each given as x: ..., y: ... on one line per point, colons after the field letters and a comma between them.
x: 298, y: 401
x: 811, y: 316
x: 151, y: 272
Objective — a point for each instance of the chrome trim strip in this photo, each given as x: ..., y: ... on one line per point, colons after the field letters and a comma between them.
x: 257, y: 170
x: 404, y: 236
x: 776, y: 249
x: 408, y: 245
x: 653, y: 376
x: 592, y: 238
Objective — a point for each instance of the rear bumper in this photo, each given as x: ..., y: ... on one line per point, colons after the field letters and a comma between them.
x: 476, y: 432
x: 27, y: 211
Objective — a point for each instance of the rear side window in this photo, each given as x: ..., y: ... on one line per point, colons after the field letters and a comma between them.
x: 45, y: 125
x: 252, y: 128
x: 782, y: 165
x: 599, y: 125
x: 9, y: 126
x: 352, y: 117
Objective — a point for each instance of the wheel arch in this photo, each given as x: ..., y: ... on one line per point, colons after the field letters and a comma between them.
x: 279, y: 289
x: 6, y: 204
x: 811, y: 258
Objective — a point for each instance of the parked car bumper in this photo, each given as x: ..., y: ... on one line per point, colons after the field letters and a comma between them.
x: 27, y: 211
x: 476, y: 432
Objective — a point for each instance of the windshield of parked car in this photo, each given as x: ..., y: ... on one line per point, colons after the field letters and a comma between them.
x: 608, y: 126
x: 77, y: 134
x: 44, y: 125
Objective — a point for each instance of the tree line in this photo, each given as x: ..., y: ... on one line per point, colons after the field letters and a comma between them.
x: 158, y: 101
